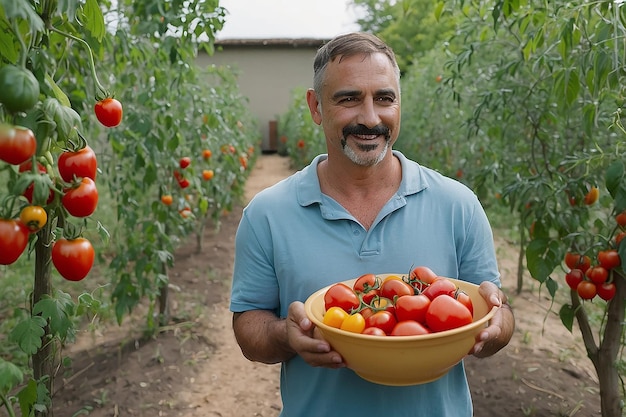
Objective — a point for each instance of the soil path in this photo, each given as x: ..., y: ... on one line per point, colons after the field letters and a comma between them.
x: 194, y: 367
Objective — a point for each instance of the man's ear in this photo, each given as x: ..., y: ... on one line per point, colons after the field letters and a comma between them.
x: 314, y: 106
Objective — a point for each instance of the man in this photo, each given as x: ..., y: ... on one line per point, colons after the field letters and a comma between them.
x: 362, y: 208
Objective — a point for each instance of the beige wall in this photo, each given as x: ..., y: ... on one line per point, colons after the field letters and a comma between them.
x: 267, y: 76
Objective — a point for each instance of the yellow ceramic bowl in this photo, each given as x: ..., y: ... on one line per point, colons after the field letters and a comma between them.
x: 402, y: 360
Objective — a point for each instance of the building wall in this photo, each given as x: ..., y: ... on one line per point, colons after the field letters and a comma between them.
x: 268, y: 71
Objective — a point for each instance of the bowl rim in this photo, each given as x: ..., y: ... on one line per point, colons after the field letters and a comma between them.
x: 308, y: 304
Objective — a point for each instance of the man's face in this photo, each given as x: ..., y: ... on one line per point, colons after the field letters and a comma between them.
x: 359, y: 107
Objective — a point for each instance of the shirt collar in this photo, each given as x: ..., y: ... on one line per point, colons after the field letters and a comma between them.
x: 308, y: 184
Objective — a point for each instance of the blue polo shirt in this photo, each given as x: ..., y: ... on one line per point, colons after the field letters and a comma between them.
x: 294, y: 240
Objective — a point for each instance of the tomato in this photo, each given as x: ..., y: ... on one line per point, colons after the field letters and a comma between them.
x: 79, y: 164
x: 109, y: 112
x: 408, y: 328
x: 586, y: 290
x: 17, y: 144
x: 341, y: 295
x: 73, y: 258
x: 335, y: 316
x: 606, y: 291
x: 440, y: 287
x: 243, y: 161
x: 621, y: 219
x: 609, y: 259
x: 619, y: 237
x: 597, y: 274
x: 367, y: 285
x: 465, y: 299
x: 13, y: 240
x: 391, y: 288
x: 184, y: 183
x: 384, y: 320
x: 574, y: 277
x: 206, y: 153
x: 82, y: 199
x: 207, y: 174
x: 184, y: 162
x: 577, y: 261
x: 33, y: 217
x: 28, y: 193
x: 167, y: 199
x: 592, y: 196
x: 412, y: 307
x: 19, y: 88
x: 421, y: 276
x: 354, y: 323
x: 374, y: 331
x: 446, y: 313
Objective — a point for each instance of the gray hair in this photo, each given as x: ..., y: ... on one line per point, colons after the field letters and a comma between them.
x: 348, y: 45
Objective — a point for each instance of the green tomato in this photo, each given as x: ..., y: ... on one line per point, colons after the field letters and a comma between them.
x: 19, y: 89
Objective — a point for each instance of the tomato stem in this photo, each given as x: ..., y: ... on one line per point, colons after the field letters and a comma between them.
x: 102, y: 91
x: 20, y: 39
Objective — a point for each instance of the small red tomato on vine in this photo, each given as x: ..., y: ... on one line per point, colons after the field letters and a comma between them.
x: 167, y: 199
x: 577, y: 261
x: 619, y: 237
x: 82, y: 199
x: 592, y: 196
x: 597, y: 274
x: 586, y: 290
x: 79, y: 164
x: 206, y: 154
x: 574, y: 277
x: 184, y: 162
x: 609, y: 259
x: 184, y: 183
x: 73, y: 258
x: 207, y: 174
x: 109, y: 112
x: 621, y: 219
x: 17, y: 144
x: 13, y: 240
x: 33, y: 217
x: 606, y: 291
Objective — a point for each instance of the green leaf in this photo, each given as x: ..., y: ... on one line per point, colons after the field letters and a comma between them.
x: 28, y: 396
x: 22, y: 9
x: 28, y: 333
x: 57, y: 311
x: 58, y: 93
x: 10, y: 376
x: 66, y: 118
x: 567, y: 313
x: 94, y: 20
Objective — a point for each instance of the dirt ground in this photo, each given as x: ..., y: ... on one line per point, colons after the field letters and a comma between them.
x: 194, y: 367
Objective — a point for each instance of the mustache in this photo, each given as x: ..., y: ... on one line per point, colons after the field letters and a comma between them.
x: 364, y: 130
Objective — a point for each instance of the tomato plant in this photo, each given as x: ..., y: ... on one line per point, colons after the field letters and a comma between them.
x: 13, y: 240
x: 82, y: 199
x: 73, y: 258
x: 109, y: 112
x: 78, y: 164
x: 17, y: 144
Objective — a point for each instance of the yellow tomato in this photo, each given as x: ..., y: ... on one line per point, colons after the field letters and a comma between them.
x: 354, y: 323
x: 335, y: 316
x: 33, y: 217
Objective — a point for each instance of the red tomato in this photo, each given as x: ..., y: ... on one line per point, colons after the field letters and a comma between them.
x: 621, y: 219
x: 465, y: 299
x: 13, y: 240
x: 109, y: 112
x: 374, y: 331
x: 421, y: 276
x: 597, y: 274
x: 606, y: 291
x: 82, y: 200
x: 17, y: 144
x: 367, y: 285
x: 620, y: 236
x: 408, y: 328
x: 446, y: 313
x: 412, y: 307
x: 73, y: 258
x: 341, y: 295
x: 184, y: 162
x: 586, y: 290
x: 609, y: 259
x: 384, y: 320
x: 440, y: 287
x: 184, y: 183
x: 578, y: 261
x: 79, y: 164
x: 574, y: 277
x: 395, y: 288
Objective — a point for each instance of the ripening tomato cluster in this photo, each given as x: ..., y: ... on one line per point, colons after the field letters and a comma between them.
x: 596, y: 279
x: 421, y: 303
